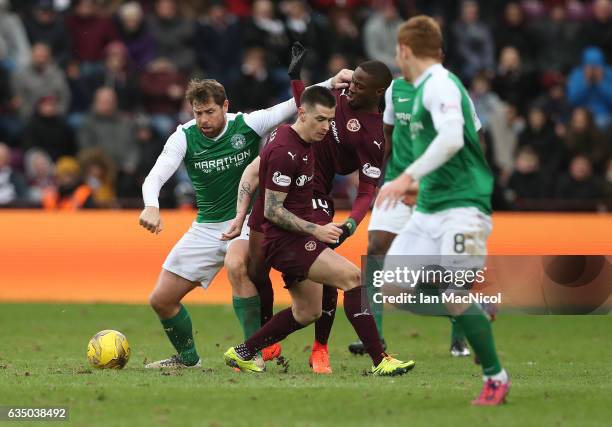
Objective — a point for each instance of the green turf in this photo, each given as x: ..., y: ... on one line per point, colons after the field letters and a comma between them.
x: 560, y: 367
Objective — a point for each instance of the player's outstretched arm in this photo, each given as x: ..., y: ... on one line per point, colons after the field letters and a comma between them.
x: 248, y: 184
x: 167, y: 163
x: 264, y: 121
x: 275, y: 212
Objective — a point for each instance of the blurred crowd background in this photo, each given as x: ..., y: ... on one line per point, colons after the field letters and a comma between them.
x: 90, y: 89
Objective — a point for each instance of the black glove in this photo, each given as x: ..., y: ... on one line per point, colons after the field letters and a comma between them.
x: 346, y: 233
x: 298, y: 55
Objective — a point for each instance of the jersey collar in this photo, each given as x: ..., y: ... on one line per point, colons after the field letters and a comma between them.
x: 429, y: 71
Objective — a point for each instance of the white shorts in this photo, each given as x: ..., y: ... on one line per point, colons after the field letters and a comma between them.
x: 460, y: 232
x: 199, y: 254
x: 392, y: 220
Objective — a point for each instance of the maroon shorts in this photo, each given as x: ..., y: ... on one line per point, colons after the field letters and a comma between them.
x: 292, y: 254
x: 256, y: 218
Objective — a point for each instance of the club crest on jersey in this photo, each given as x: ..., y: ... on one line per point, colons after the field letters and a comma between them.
x: 280, y: 179
x: 310, y: 245
x: 353, y: 125
x: 371, y: 171
x: 238, y: 141
x: 302, y: 180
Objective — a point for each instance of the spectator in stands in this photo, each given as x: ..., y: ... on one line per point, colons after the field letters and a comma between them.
x: 512, y: 81
x: 528, y: 180
x: 14, y: 45
x: 345, y: 37
x: 579, y: 183
x: 219, y: 47
x: 539, y: 134
x: 254, y: 86
x: 607, y: 181
x: 10, y: 126
x: 555, y: 39
x: 486, y: 102
x: 504, y: 127
x: 106, y: 128
x: 336, y: 63
x: 40, y: 176
x: 473, y: 46
x: 380, y: 33
x: 173, y: 35
x: 312, y: 30
x: 48, y: 130
x: 135, y: 34
x: 163, y: 88
x: 99, y: 175
x: 44, y: 25
x: 41, y: 78
x: 514, y: 31
x: 598, y: 31
x: 590, y: 85
x: 554, y: 101
x: 266, y: 31
x: 71, y: 193
x: 90, y: 33
x: 583, y: 138
x: 13, y: 187
x: 117, y: 74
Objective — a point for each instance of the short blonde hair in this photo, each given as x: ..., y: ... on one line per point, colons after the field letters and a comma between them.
x: 423, y: 35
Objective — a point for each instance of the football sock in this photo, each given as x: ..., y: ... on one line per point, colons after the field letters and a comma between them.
x: 480, y: 336
x: 502, y: 376
x: 248, y: 313
x: 282, y: 324
x: 457, y: 333
x: 374, y: 263
x: 179, y: 331
x: 324, y: 323
x: 266, y: 297
x: 363, y: 323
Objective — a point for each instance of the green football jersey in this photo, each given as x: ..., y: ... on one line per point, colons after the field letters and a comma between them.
x: 402, y: 98
x: 215, y: 166
x: 463, y: 181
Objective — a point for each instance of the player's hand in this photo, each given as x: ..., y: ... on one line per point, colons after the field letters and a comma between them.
x: 298, y: 56
x: 151, y: 220
x: 328, y: 233
x: 342, y: 79
x: 345, y: 235
x: 396, y: 191
x: 234, y: 229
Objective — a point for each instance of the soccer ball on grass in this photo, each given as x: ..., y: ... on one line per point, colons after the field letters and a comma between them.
x: 108, y: 349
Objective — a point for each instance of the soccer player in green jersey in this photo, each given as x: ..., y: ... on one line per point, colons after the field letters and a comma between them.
x: 453, y: 206
x: 216, y: 146
x: 386, y: 224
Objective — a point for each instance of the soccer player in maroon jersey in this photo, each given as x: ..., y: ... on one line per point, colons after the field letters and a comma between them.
x: 297, y: 247
x: 354, y: 143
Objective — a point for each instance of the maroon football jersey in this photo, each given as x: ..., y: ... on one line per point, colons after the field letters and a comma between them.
x: 287, y: 165
x: 355, y: 141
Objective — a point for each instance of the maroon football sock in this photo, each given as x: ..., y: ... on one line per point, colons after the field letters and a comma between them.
x: 358, y: 312
x: 263, y: 285
x: 281, y: 325
x: 324, y: 324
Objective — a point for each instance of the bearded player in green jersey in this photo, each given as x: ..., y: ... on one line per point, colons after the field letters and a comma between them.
x: 453, y: 206
x: 216, y: 146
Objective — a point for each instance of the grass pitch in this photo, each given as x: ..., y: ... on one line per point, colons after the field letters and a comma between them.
x: 560, y: 367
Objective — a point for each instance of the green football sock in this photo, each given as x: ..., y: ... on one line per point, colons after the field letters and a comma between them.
x: 374, y: 263
x: 457, y: 333
x: 179, y: 331
x: 480, y: 336
x: 248, y: 312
